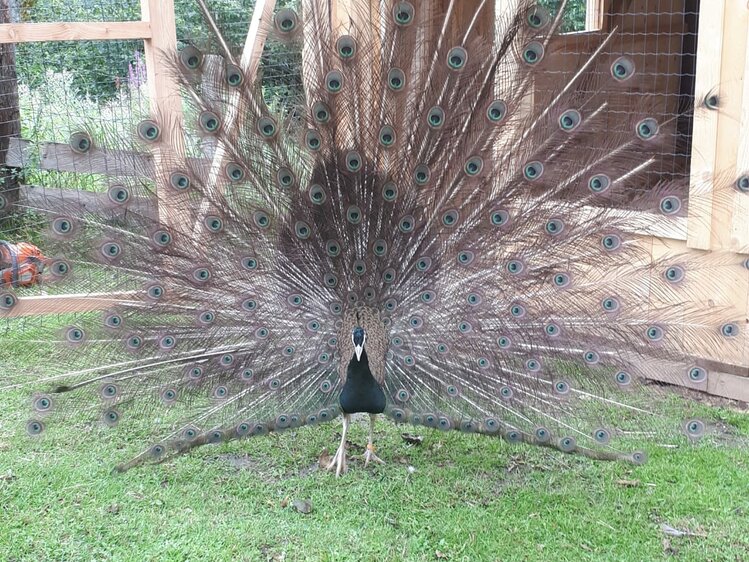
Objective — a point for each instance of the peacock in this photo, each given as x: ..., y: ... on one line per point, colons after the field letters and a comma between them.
x: 444, y: 231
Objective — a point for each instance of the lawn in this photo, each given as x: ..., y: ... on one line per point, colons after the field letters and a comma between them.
x: 453, y: 497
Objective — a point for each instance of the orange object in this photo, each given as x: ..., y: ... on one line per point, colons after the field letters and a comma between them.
x: 21, y: 264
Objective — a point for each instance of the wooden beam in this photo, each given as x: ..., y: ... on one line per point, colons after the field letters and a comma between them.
x: 74, y: 31
x: 66, y: 304
x: 166, y: 101
x: 594, y: 10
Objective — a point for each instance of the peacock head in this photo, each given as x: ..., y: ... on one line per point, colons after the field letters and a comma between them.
x: 358, y: 337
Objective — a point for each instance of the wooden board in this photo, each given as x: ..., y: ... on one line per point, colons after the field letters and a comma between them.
x: 74, y: 31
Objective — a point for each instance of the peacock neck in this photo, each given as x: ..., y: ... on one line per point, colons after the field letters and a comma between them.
x: 361, y: 392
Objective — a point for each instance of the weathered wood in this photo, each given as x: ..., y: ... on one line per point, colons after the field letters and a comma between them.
x: 81, y: 201
x: 10, y: 124
x: 74, y: 31
x: 66, y: 304
x: 59, y: 157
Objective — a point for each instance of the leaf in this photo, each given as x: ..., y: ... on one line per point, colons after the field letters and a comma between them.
x: 302, y: 506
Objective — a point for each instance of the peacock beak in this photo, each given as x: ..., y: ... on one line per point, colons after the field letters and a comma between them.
x: 358, y: 349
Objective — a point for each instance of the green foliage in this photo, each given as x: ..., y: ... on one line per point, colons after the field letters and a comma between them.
x: 574, y: 13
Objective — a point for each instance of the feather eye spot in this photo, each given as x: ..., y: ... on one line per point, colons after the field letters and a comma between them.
x: 403, y: 395
x: 209, y: 122
x: 317, y: 194
x: 155, y: 292
x: 380, y: 247
x: 267, y: 128
x: 611, y: 242
x: 562, y: 387
x: 109, y: 391
x: 261, y: 219
x: 436, y: 117
x: 346, y: 47
x: 74, y: 334
x: 515, y: 267
x: 562, y: 280
x: 491, y: 425
x: 191, y: 58
x: 80, y: 142
x: 113, y: 321
x: 214, y: 224
x: 295, y: 300
x: 406, y: 224
x: 388, y: 275
x: 416, y: 322
x: 533, y: 365
x: 389, y: 192
x: 424, y: 264
x: 396, y: 79
x: 233, y: 75
x: 506, y: 392
x: 591, y: 357
x: 610, y: 304
x: 552, y: 329
x: 249, y: 263
x: 288, y: 351
x: 513, y: 436
x: 333, y: 248
x: 313, y: 326
x: 537, y: 17
x: 504, y: 342
x: 134, y: 343
x: 466, y: 257
x: 59, y: 268
x: 403, y: 13
x: 474, y: 299
x: 220, y: 392
x: 286, y: 21
x: 623, y: 378
x: 473, y: 166
x: 118, y: 194
x: 261, y: 333
x: 694, y: 428
x: 167, y: 343
x: 532, y: 171
x: 353, y: 161
x: 730, y: 330
x: 533, y: 53
x: 42, y: 404
x: 391, y: 305
x: 168, y: 395
x: 409, y: 360
x: 360, y: 267
x: 712, y: 101
x: 482, y: 362
x: 442, y: 348
x: 313, y: 140
x: 670, y: 205
x: 321, y: 112
x: 148, y: 131
x: 161, y: 238
x: 421, y: 175
x: 742, y: 184
x: 110, y: 417
x: 387, y: 136
x: 285, y: 177
x: 323, y: 358
x: 599, y: 183
x: 465, y: 327
x: 457, y: 57
x: 428, y: 297
x: 444, y: 423
x: 554, y: 227
x: 647, y: 128
x: 179, y: 181
x: 226, y: 360
x: 334, y: 81
x: 354, y: 214
x: 542, y: 435
x: 450, y: 218
x: 497, y: 111
x: 330, y: 280
x: 499, y: 217
x: 570, y: 120
x: 567, y: 444
x: 34, y: 428
x: 622, y: 69
x: 654, y: 333
x: 697, y: 375
x: 62, y: 226
x: 201, y: 275
x: 206, y: 317
x: 336, y: 308
x: 302, y: 230
x: 675, y: 274
x: 602, y: 436
x: 369, y: 294
x: 110, y: 250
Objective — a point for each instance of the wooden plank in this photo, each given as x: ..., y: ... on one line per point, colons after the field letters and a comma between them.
x: 74, y: 31
x: 166, y: 101
x: 66, y: 304
x: 740, y: 220
x: 51, y: 199
x: 59, y: 157
x: 594, y: 10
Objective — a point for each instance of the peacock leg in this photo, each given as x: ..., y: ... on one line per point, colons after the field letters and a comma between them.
x: 339, y: 460
x: 369, y: 454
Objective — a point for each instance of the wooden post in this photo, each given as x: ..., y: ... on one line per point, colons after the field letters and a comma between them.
x: 166, y: 102
x: 718, y: 212
x: 10, y: 119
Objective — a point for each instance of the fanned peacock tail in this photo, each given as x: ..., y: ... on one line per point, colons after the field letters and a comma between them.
x: 429, y: 192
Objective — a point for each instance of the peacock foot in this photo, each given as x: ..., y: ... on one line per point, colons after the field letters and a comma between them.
x: 369, y: 456
x: 338, y: 461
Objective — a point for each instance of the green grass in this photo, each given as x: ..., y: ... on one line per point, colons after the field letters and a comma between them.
x: 469, y: 498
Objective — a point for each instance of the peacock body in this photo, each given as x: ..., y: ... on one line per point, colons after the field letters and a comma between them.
x: 431, y: 236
